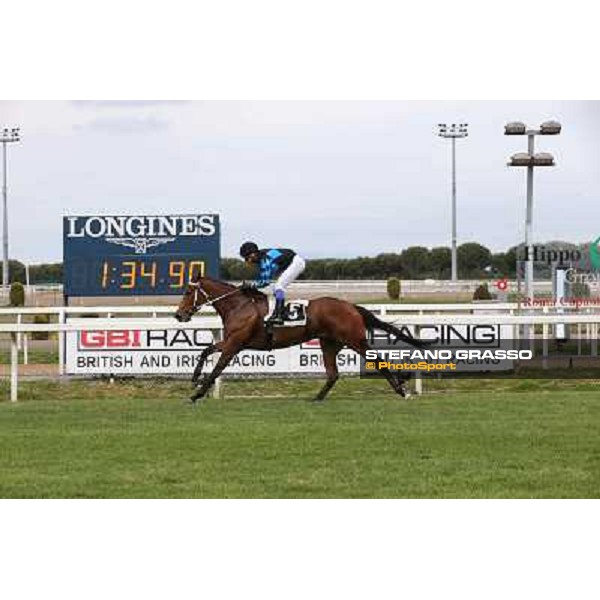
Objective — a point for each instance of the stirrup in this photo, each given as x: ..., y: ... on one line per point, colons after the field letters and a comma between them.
x: 274, y: 319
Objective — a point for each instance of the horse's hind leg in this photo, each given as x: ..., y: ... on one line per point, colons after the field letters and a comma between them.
x: 397, y: 384
x: 330, y: 350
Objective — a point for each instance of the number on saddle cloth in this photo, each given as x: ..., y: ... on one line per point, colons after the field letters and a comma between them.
x: 294, y: 313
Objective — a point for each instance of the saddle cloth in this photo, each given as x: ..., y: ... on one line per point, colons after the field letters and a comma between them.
x: 294, y: 314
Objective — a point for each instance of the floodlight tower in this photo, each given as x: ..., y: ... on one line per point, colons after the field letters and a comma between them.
x: 6, y: 137
x: 531, y: 160
x: 453, y: 132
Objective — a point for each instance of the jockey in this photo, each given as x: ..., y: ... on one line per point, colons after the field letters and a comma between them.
x: 280, y: 263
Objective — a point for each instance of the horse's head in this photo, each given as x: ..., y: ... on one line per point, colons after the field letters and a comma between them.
x: 193, y: 298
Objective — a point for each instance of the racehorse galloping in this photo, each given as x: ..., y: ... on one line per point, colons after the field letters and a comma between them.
x: 336, y: 323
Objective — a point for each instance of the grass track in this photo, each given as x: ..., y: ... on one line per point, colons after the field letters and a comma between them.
x: 515, y: 439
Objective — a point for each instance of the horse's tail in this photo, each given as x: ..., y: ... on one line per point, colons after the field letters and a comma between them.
x: 372, y: 322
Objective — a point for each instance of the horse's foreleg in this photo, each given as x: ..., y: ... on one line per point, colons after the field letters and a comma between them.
x: 226, y: 356
x: 203, y: 356
x: 330, y: 350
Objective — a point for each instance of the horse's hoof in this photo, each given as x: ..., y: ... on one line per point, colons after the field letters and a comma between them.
x: 317, y: 400
x: 195, y: 397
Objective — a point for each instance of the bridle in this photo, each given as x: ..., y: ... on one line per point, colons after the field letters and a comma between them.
x: 208, y: 301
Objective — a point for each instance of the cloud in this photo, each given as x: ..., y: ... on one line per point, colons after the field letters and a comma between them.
x: 124, y: 125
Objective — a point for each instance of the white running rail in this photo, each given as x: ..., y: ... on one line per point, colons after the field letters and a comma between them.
x: 214, y: 325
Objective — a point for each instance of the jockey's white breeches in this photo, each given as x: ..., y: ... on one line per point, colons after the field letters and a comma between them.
x: 290, y: 274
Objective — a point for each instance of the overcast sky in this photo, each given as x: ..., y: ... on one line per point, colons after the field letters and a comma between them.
x: 326, y: 178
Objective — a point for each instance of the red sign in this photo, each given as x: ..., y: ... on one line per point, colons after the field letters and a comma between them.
x: 502, y: 284
x: 110, y: 339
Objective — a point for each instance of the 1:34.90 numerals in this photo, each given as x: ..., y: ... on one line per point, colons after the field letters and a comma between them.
x: 130, y: 274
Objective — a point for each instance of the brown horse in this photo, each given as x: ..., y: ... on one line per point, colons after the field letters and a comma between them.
x: 334, y: 322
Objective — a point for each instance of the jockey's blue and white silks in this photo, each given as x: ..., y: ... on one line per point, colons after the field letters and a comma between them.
x: 278, y: 262
x: 269, y: 266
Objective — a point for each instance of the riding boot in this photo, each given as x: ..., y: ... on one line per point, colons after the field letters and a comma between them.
x: 277, y: 317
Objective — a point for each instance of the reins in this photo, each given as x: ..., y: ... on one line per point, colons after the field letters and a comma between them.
x: 209, y: 301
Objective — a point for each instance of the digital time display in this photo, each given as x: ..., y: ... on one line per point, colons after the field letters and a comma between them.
x: 145, y: 275
x: 162, y: 254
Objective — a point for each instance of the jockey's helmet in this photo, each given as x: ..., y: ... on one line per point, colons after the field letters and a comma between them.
x: 248, y: 248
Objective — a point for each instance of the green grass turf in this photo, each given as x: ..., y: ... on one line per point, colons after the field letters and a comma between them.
x: 467, y: 439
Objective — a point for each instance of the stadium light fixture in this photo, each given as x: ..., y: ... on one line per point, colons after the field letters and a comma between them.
x: 453, y: 131
x: 543, y: 159
x: 515, y: 128
x: 550, y: 128
x: 522, y: 159
x: 531, y: 160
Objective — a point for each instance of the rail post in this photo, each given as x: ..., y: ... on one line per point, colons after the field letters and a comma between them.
x: 14, y: 368
x: 19, y: 335
x: 61, y: 344
x: 418, y: 379
x: 545, y: 341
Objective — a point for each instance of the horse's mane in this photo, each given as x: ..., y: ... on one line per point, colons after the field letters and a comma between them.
x: 200, y: 279
x: 256, y: 294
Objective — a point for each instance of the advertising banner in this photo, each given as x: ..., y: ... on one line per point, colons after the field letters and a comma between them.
x: 164, y: 351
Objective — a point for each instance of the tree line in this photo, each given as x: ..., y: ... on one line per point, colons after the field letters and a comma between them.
x: 416, y: 262
x: 38, y: 274
x: 475, y: 261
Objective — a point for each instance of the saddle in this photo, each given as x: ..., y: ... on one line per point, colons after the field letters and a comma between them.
x: 294, y: 315
x: 294, y: 312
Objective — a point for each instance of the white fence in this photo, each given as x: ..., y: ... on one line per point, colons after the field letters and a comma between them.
x: 62, y: 314
x: 423, y: 315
